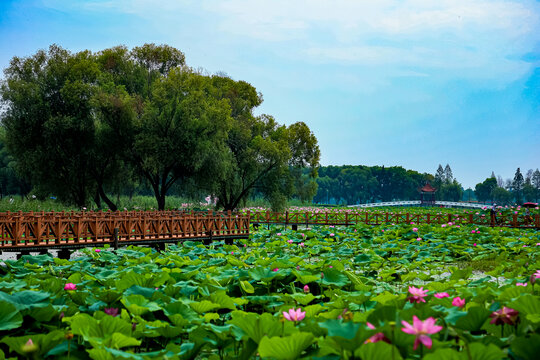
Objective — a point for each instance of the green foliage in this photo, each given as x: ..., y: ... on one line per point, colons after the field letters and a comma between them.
x: 195, y: 301
x: 82, y: 125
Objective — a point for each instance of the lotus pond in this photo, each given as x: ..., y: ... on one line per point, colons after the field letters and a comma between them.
x: 363, y: 292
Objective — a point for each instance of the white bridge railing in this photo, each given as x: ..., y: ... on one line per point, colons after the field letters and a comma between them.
x: 417, y: 202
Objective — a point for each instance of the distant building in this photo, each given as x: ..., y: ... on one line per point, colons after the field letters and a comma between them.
x: 427, y: 195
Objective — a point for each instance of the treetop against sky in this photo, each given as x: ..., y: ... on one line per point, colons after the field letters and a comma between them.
x: 410, y: 83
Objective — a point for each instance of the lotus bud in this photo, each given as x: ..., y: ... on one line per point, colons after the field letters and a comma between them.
x: 29, y: 347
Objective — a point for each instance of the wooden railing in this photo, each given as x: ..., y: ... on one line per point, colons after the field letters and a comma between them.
x: 45, y: 230
x: 377, y: 218
x: 75, y: 229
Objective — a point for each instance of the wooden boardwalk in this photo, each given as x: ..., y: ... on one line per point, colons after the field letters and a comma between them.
x: 70, y: 230
x: 378, y: 218
x: 41, y: 231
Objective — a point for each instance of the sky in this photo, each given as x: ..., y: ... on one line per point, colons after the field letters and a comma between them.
x: 412, y: 83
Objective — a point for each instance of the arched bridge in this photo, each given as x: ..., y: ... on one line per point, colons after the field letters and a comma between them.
x: 418, y: 202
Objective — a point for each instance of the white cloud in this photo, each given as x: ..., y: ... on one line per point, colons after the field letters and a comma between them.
x: 478, y: 39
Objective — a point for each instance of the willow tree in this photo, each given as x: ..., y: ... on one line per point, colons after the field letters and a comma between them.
x: 49, y: 120
x: 264, y: 156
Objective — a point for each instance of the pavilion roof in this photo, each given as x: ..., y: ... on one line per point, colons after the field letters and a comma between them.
x: 427, y: 188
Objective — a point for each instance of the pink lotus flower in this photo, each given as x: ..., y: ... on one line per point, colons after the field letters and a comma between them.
x: 294, y: 315
x: 98, y: 250
x: 111, y: 311
x: 331, y: 234
x: 306, y: 288
x: 443, y: 225
x: 441, y: 295
x: 504, y: 316
x: 232, y: 252
x: 474, y: 244
x: 415, y: 229
x: 537, y: 274
x: 301, y: 244
x: 421, y: 329
x: 417, y: 294
x: 459, y: 302
x: 275, y: 270
x: 377, y: 337
x: 70, y: 286
x: 472, y: 231
x: 290, y: 241
x: 419, y: 239
x: 278, y: 234
x: 521, y: 284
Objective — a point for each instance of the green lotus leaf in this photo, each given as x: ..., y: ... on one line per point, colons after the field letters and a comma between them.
x: 247, y: 287
x: 383, y: 315
x: 13, y: 285
x: 474, y: 319
x: 526, y: 348
x: 480, y: 351
x: 338, y: 328
x: 334, y: 277
x: 138, y: 304
x: 225, y: 301
x: 115, y: 341
x: 303, y: 299
x: 42, y: 314
x: 305, y: 277
x: 179, y: 308
x: 256, y: 326
x: 526, y: 304
x: 345, y: 335
x: 108, y: 296
x: 10, y: 317
x: 106, y: 353
x: 26, y: 299
x: 285, y: 348
x: 445, y: 354
x: 89, y: 327
x: 204, y: 306
x: 210, y: 316
x: 261, y: 273
x: 377, y: 351
x: 43, y: 342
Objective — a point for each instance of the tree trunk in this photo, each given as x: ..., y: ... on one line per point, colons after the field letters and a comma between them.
x: 161, y: 200
x: 105, y: 198
x: 97, y: 199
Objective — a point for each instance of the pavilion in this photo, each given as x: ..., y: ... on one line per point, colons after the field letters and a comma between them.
x: 427, y: 195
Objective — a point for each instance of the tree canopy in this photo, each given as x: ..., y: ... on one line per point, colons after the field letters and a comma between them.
x: 81, y: 124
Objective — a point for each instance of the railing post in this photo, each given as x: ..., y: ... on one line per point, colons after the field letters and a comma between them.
x: 115, y: 238
x: 514, y: 220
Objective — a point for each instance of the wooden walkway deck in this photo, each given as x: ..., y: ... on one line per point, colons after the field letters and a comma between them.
x: 378, y: 218
x: 70, y: 230
x: 41, y: 231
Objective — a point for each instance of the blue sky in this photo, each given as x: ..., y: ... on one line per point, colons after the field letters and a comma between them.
x: 414, y: 83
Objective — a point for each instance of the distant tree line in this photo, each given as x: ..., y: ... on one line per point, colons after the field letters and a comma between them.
x: 359, y: 184
x: 517, y: 190
x: 83, y: 126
